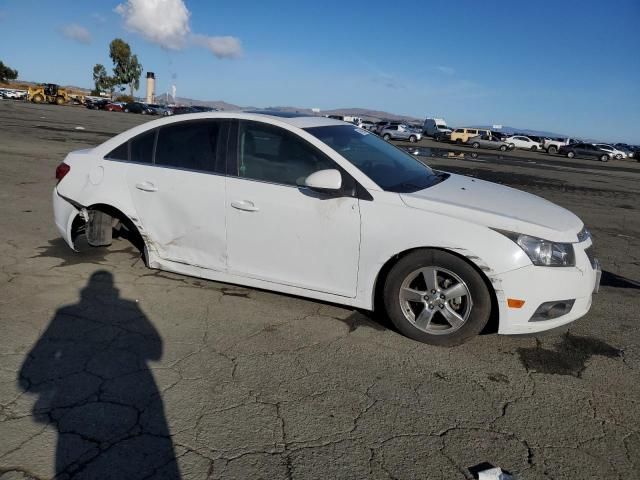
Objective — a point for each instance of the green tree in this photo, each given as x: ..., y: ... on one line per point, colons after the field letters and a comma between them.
x: 102, y: 81
x: 126, y: 67
x: 7, y: 73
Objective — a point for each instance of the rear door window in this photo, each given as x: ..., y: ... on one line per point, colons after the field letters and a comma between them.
x: 192, y: 145
x: 141, y: 148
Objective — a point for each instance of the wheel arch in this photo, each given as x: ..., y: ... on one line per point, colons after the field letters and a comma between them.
x: 476, y: 262
x: 134, y: 230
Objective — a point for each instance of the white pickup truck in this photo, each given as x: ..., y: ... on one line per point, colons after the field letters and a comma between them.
x: 552, y: 145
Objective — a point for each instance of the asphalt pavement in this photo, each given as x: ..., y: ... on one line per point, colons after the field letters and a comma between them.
x: 111, y: 370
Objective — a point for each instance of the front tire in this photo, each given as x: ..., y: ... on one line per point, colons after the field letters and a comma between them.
x: 413, y: 139
x: 438, y: 298
x: 37, y: 98
x: 387, y: 137
x: 534, y: 148
x: 503, y: 148
x: 570, y: 154
x: 552, y: 150
x: 604, y: 158
x: 458, y: 141
x: 475, y: 145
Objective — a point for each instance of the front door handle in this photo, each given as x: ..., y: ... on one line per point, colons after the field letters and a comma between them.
x: 146, y: 187
x: 245, y: 205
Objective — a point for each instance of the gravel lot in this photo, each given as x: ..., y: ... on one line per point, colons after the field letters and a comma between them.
x: 111, y: 370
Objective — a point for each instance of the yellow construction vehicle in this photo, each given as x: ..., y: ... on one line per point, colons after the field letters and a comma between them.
x: 48, y: 93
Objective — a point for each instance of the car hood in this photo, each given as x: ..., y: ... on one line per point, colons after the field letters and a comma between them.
x: 496, y: 206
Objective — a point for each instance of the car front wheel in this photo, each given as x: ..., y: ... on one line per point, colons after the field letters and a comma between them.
x: 604, y: 158
x: 503, y: 148
x: 534, y: 148
x: 571, y: 154
x: 413, y: 139
x: 552, y: 150
x: 438, y: 298
x: 475, y: 145
x: 386, y: 136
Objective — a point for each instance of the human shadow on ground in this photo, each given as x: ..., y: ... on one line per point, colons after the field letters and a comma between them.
x: 90, y: 373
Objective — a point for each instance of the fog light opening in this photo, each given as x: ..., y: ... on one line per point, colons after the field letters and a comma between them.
x: 551, y: 310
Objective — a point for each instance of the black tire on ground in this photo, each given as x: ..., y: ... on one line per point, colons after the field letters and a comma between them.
x: 37, y: 98
x: 552, y: 149
x: 386, y: 136
x: 534, y: 148
x: 604, y: 158
x: 413, y: 139
x: 144, y: 112
x: 126, y: 110
x: 503, y: 148
x: 60, y: 100
x: 475, y: 145
x: 458, y: 141
x: 570, y: 154
x: 618, y: 157
x: 480, y: 296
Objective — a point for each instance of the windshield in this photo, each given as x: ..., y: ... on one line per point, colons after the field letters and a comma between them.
x: 389, y: 167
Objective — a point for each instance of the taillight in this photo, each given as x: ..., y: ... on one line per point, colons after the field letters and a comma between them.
x: 61, y: 171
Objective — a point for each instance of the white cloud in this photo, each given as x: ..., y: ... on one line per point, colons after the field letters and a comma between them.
x: 99, y: 18
x: 221, y: 47
x: 165, y: 22
x: 76, y: 32
x: 446, y: 70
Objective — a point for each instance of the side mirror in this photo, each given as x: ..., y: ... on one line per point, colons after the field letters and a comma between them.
x: 324, y: 181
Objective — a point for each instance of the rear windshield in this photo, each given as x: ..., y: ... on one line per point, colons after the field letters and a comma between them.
x: 389, y: 167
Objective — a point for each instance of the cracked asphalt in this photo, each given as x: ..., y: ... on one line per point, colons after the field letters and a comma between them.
x: 111, y: 370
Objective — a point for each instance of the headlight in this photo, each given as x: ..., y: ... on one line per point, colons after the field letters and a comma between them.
x: 544, y: 253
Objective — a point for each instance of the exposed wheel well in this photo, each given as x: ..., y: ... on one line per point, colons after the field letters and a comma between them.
x: 123, y: 227
x: 378, y: 302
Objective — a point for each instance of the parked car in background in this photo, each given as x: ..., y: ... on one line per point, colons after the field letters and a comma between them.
x: 158, y: 109
x: 615, y: 152
x: 180, y: 110
x: 432, y: 126
x: 499, y: 135
x: 401, y: 132
x: 487, y: 141
x: 384, y: 124
x: 439, y: 253
x: 584, y: 150
x: 462, y: 135
x: 552, y: 145
x: 627, y: 149
x: 114, y: 107
x: 14, y: 94
x: 525, y: 143
x: 202, y: 108
x: 368, y: 125
x: 443, y: 136
x: 97, y: 104
x: 138, y: 107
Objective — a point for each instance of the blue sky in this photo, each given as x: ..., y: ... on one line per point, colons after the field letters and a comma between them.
x: 567, y: 66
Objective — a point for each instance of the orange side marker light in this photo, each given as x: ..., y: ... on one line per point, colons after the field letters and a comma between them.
x: 515, y: 303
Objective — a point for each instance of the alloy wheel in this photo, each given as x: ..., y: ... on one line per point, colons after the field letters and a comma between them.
x: 435, y: 300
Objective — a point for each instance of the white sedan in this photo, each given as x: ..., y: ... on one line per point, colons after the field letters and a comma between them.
x: 520, y: 141
x: 613, y: 151
x: 319, y: 208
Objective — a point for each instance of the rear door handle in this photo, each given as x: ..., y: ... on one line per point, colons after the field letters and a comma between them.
x: 245, y: 205
x: 146, y: 187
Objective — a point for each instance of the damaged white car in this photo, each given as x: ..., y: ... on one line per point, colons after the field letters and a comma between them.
x: 319, y: 208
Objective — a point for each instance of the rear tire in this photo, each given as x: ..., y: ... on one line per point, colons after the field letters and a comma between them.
x: 475, y: 145
x: 37, y: 98
x: 452, y: 320
x: 552, y: 150
x: 126, y: 110
x: 503, y: 148
x: 534, y: 148
x: 604, y: 158
x: 386, y: 137
x: 570, y: 154
x: 413, y: 139
x: 60, y: 100
x: 458, y: 141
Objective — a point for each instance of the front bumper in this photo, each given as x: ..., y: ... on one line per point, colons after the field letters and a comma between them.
x: 537, y: 285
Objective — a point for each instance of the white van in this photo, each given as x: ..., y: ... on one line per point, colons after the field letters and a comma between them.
x: 435, y: 125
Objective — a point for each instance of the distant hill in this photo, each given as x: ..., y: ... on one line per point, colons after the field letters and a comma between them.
x: 524, y: 131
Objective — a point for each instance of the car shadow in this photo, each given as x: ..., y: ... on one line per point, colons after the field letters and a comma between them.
x: 610, y: 279
x: 89, y: 371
